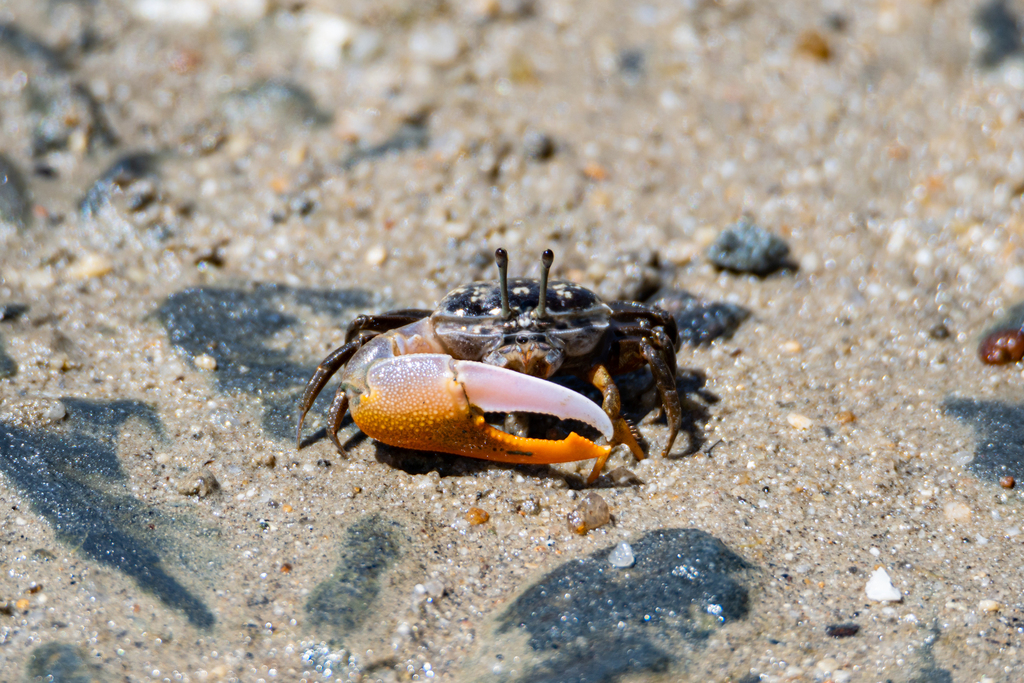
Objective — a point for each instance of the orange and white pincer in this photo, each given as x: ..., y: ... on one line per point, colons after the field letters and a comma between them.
x: 424, y: 379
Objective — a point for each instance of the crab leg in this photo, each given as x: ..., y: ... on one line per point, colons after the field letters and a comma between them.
x: 429, y: 401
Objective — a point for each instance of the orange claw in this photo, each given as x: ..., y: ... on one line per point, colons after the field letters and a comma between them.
x: 432, y: 402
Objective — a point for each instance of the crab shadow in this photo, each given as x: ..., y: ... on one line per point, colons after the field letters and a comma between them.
x: 639, y: 399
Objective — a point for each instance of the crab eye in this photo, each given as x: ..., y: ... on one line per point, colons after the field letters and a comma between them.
x: 522, y: 339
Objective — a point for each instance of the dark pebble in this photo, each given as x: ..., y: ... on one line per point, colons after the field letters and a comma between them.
x: 273, y: 103
x: 747, y: 248
x: 842, y: 630
x: 588, y: 621
x: 538, y: 146
x: 699, y: 321
x: 1001, y: 347
x: 1007, y: 482
x: 12, y: 311
x: 369, y: 548
x: 62, y: 663
x: 119, y: 176
x: 409, y: 136
x: 939, y: 331
x: 15, y: 205
x: 8, y: 368
x: 1001, y: 30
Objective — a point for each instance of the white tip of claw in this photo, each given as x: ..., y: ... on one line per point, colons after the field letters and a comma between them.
x: 497, y: 390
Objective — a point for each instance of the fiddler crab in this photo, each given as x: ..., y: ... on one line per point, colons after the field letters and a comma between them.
x: 424, y: 380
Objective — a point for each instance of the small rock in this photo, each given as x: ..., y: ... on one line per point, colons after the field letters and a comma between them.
x: 55, y: 412
x: 844, y: 417
x: 792, y: 347
x: 538, y: 146
x: 119, y: 179
x: 621, y: 556
x: 1007, y: 482
x: 1002, y: 346
x: 880, y: 589
x: 812, y: 44
x: 476, y: 516
x: 939, y: 331
x: 199, y: 484
x: 14, y: 201
x: 747, y: 248
x: 989, y: 606
x: 842, y: 630
x: 12, y: 311
x: 205, y: 362
x: 956, y: 512
x: 89, y: 266
x: 623, y: 476
x: 375, y: 256
x: 591, y: 513
x: 329, y: 35
x: 798, y: 421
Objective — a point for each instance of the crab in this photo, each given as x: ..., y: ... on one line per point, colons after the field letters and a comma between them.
x: 424, y: 380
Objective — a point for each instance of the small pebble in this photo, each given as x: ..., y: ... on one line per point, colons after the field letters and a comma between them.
x: 844, y: 417
x: 842, y: 630
x: 939, y: 331
x: 200, y: 484
x: 206, y: 362
x: 55, y: 411
x: 798, y: 421
x: 1002, y: 346
x: 89, y: 266
x: 375, y: 256
x: 14, y: 197
x: 329, y: 35
x: 1007, y: 482
x: 989, y: 606
x: 792, y: 347
x: 591, y: 513
x: 812, y: 44
x: 476, y: 516
x: 956, y: 512
x: 747, y: 248
x: 22, y: 605
x: 623, y: 476
x: 621, y: 556
x: 880, y: 589
x: 12, y: 311
x: 538, y: 146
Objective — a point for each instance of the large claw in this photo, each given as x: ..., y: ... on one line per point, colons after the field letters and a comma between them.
x: 430, y: 401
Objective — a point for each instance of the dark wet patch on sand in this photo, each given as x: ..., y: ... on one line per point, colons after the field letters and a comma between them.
x: 235, y: 328
x: 590, y: 621
x: 62, y: 663
x: 73, y: 479
x: 999, y: 446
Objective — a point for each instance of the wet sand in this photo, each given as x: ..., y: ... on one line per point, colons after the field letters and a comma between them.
x: 201, y: 195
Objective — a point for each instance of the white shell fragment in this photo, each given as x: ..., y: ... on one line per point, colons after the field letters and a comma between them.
x: 621, y: 556
x: 497, y: 390
x: 880, y: 588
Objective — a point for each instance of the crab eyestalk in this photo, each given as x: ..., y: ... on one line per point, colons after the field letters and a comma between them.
x: 546, y: 259
x: 501, y: 258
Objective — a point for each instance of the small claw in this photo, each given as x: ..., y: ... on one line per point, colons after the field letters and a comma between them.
x: 429, y: 401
